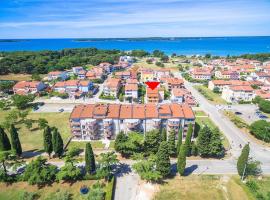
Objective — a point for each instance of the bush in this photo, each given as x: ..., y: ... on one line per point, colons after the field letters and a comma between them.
x: 29, y: 196
x: 252, y: 185
x: 261, y: 130
x: 59, y: 195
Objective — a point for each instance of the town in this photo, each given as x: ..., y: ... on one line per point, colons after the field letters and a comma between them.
x: 205, y: 115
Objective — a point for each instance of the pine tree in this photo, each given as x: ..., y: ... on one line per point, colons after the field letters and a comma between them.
x: 216, y: 146
x: 163, y: 159
x: 243, y: 160
x: 171, y: 143
x: 90, y: 165
x: 181, y: 162
x: 188, y: 139
x: 163, y: 135
x: 15, y: 140
x: 179, y: 140
x: 151, y: 142
x: 120, y: 141
x: 203, y: 141
x: 47, y: 140
x: 4, y: 141
x: 58, y: 145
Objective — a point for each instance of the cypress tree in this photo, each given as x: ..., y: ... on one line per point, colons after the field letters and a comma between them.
x: 242, y: 160
x: 58, y: 145
x: 179, y: 140
x: 47, y: 140
x: 163, y: 135
x: 15, y: 140
x: 181, y: 161
x: 188, y: 139
x: 171, y: 143
x: 90, y: 164
x: 4, y: 141
x: 163, y: 164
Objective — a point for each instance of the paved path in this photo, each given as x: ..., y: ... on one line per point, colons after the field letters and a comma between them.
x: 234, y: 135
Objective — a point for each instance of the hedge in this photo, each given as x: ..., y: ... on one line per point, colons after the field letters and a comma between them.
x: 110, y: 188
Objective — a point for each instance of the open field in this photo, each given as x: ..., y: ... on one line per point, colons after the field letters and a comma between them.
x: 16, y: 77
x: 15, y: 190
x: 169, y: 65
x: 210, y: 95
x: 201, y: 187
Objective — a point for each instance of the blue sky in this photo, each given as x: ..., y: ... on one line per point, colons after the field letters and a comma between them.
x: 133, y: 18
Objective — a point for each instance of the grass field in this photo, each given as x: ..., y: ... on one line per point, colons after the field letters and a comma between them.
x: 32, y: 139
x: 15, y: 190
x: 169, y: 65
x: 210, y: 95
x: 200, y: 188
x: 16, y: 77
x: 81, y: 145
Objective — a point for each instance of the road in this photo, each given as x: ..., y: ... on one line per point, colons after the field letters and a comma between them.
x: 234, y: 135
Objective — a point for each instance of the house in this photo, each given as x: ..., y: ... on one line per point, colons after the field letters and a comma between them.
x: 107, y: 67
x: 220, y: 84
x: 263, y: 94
x: 100, y: 121
x: 81, y: 74
x: 123, y: 75
x: 76, y: 70
x: 131, y: 91
x: 60, y: 75
x: 111, y: 87
x: 154, y: 96
x: 236, y: 93
x: 28, y: 87
x: 73, y: 86
x: 147, y: 75
x: 201, y: 74
x: 162, y: 73
x: 177, y: 95
x: 174, y: 83
x: 227, y: 74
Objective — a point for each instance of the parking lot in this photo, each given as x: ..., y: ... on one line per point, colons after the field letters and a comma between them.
x: 248, y: 112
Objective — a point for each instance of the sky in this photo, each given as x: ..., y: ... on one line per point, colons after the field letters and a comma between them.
x: 133, y: 18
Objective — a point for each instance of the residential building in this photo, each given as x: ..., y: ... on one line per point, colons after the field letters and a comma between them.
x: 174, y: 83
x: 177, y: 95
x: 123, y: 75
x: 28, y: 87
x: 201, y: 74
x: 236, y: 93
x: 131, y: 91
x: 220, y: 84
x: 111, y: 87
x: 60, y: 75
x: 147, y: 75
x: 76, y: 70
x: 99, y: 121
x: 154, y: 96
x: 227, y: 74
x: 81, y: 74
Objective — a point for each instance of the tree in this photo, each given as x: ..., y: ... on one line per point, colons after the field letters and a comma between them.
x: 4, y: 141
x: 264, y: 105
x: 181, y: 161
x: 15, y: 140
x: 261, y: 130
x: 179, y: 140
x: 188, y: 139
x: 130, y: 144
x: 146, y: 169
x: 242, y: 161
x: 209, y: 143
x: 151, y: 142
x: 194, y: 149
x: 69, y: 172
x: 47, y: 140
x: 90, y: 164
x: 22, y: 101
x: 171, y: 143
x: 36, y: 77
x: 106, y: 162
x: 163, y: 164
x: 97, y: 192
x: 163, y: 135
x: 42, y: 123
x: 39, y: 172
x: 57, y: 142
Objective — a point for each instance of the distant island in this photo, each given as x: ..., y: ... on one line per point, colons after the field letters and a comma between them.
x: 134, y: 39
x: 11, y: 40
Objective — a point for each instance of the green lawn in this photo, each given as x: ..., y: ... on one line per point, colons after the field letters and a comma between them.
x: 81, y: 145
x: 196, y: 187
x: 15, y: 190
x: 200, y: 113
x: 33, y: 139
x: 210, y: 95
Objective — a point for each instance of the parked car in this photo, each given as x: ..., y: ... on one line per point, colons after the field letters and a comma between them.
x: 238, y: 113
x: 263, y: 117
x: 61, y: 110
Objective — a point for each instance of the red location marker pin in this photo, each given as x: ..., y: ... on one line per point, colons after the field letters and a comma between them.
x: 152, y: 85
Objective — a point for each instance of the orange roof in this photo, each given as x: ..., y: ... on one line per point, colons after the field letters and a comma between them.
x: 175, y: 81
x: 84, y: 83
x: 87, y: 112
x: 164, y: 109
x: 112, y: 82
x: 245, y: 88
x: 76, y: 112
x: 188, y: 113
x: 263, y: 94
x: 151, y: 111
x: 113, y: 110
x: 126, y: 111
x: 132, y: 81
x: 132, y: 87
x: 60, y: 84
x: 152, y: 93
x: 100, y: 109
x: 72, y: 83
x: 138, y: 111
x: 26, y: 84
x: 177, y: 110
x: 221, y: 82
x: 124, y: 73
x: 178, y: 92
x: 55, y: 73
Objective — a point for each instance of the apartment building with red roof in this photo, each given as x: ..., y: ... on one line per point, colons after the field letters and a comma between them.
x: 111, y: 87
x: 60, y: 75
x: 28, y: 87
x: 99, y: 121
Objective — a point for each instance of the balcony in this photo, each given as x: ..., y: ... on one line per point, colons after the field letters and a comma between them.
x: 107, y: 123
x: 173, y: 122
x: 132, y: 123
x: 156, y: 123
x: 73, y: 123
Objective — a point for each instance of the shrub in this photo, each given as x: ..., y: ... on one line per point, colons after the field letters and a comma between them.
x: 261, y: 130
x: 252, y: 185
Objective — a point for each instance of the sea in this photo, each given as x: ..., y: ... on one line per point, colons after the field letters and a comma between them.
x: 221, y: 46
